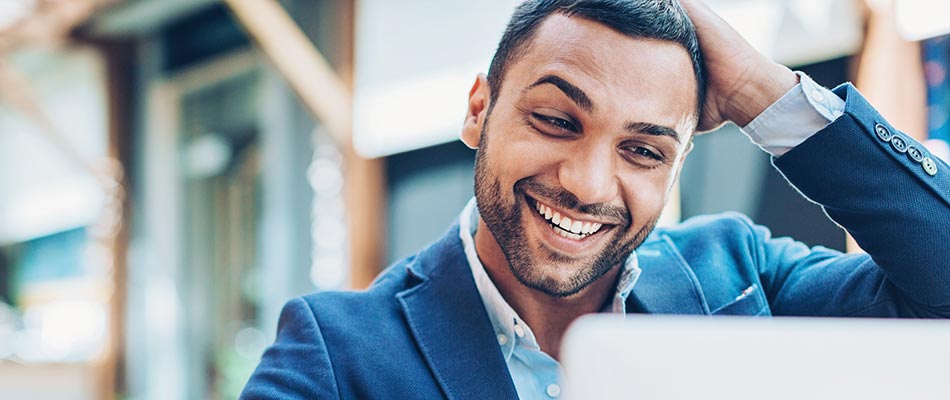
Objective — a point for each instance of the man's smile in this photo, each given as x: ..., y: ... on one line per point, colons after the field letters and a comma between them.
x: 566, y: 231
x: 561, y: 222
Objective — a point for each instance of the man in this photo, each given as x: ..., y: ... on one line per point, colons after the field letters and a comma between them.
x: 581, y: 127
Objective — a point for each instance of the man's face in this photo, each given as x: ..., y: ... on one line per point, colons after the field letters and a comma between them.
x: 580, y: 150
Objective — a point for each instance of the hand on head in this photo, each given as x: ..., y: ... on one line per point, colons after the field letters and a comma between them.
x: 741, y: 82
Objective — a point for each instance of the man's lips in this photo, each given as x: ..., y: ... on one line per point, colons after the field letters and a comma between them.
x: 567, y: 224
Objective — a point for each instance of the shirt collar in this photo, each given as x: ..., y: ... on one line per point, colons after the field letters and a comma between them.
x: 506, y: 322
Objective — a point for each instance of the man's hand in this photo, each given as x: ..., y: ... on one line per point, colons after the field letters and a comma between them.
x: 740, y: 81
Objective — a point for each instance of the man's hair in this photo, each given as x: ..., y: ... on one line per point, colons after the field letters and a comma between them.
x: 647, y: 19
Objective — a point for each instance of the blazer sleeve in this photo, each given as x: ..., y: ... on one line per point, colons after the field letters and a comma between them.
x: 297, y: 365
x: 892, y: 196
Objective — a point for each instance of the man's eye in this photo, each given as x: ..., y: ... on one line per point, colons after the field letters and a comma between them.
x: 643, y: 155
x: 646, y: 153
x: 555, y: 122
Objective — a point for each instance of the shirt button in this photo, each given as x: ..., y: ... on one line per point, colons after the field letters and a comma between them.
x: 817, y: 96
x: 915, y: 154
x: 899, y: 144
x: 502, y: 339
x: 519, y: 331
x: 930, y: 167
x: 882, y: 132
x: 553, y: 390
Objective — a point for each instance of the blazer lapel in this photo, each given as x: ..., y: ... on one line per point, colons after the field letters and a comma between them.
x: 666, y: 284
x: 449, y: 323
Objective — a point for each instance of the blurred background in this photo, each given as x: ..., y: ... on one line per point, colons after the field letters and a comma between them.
x: 173, y: 171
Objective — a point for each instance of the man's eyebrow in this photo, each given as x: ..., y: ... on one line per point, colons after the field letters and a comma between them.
x: 573, y: 92
x: 652, y: 129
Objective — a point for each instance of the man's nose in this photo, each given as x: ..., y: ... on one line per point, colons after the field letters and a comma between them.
x: 589, y: 173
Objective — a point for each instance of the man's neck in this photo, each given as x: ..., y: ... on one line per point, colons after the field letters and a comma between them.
x: 547, y: 316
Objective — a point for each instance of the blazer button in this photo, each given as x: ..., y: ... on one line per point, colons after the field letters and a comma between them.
x: 915, y: 154
x: 899, y: 144
x: 930, y: 167
x: 882, y: 132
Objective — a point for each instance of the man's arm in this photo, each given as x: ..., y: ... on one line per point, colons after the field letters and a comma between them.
x: 892, y: 202
x: 888, y: 192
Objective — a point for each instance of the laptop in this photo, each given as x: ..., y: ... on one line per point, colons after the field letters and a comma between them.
x: 661, y: 357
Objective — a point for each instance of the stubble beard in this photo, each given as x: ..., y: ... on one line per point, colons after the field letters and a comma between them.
x: 544, y: 272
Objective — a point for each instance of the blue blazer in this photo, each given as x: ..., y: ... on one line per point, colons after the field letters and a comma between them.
x: 421, y: 331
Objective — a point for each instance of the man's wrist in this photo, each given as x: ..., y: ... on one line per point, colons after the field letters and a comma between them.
x: 803, y: 111
x: 757, y: 95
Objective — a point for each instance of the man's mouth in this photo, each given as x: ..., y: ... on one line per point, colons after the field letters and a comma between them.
x: 564, y: 225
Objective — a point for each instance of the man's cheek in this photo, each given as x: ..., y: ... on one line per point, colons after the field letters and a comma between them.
x: 647, y: 203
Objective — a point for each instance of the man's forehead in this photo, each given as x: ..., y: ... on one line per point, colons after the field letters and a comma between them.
x: 596, y: 50
x: 563, y: 39
x: 615, y: 70
x: 563, y: 31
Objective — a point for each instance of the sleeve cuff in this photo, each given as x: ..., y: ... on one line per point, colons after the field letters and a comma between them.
x: 803, y: 111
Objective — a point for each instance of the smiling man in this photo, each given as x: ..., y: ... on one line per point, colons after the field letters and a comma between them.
x: 581, y: 127
x: 580, y: 135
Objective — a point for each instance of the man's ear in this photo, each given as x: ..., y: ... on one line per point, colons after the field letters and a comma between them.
x: 478, y: 98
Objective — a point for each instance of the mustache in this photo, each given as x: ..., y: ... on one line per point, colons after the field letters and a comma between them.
x: 568, y: 201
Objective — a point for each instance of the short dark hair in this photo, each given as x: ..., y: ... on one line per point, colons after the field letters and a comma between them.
x: 649, y: 19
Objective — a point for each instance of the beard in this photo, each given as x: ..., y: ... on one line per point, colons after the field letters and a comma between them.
x: 535, y: 266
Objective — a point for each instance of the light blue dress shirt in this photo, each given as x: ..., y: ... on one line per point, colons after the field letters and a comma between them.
x: 535, y: 374
x: 801, y: 112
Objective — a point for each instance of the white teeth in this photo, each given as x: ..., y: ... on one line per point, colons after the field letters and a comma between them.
x: 576, y: 226
x: 568, y: 228
x: 565, y: 223
x: 568, y: 234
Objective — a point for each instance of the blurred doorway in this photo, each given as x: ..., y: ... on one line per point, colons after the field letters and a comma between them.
x: 201, y: 335
x: 222, y: 206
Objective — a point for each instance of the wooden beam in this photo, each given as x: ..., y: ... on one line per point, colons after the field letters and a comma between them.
x: 365, y: 178
x: 366, y: 213
x: 119, y: 84
x: 303, y: 66
x: 49, y: 22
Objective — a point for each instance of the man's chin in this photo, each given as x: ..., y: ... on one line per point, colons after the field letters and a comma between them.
x: 558, y: 275
x: 556, y: 288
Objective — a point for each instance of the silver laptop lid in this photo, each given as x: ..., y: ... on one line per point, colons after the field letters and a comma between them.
x: 657, y: 357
